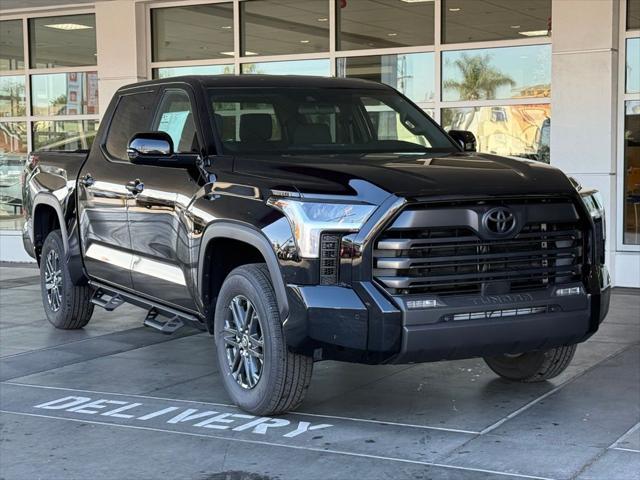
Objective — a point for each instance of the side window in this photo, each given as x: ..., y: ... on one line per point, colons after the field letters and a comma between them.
x: 388, y: 124
x: 175, y: 117
x: 133, y: 115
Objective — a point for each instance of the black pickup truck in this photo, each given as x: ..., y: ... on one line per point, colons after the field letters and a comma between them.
x: 301, y: 219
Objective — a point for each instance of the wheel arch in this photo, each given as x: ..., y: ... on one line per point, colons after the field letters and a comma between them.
x: 46, y: 216
x: 238, y: 233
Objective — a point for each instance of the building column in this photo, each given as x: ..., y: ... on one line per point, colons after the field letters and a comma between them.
x: 122, y: 46
x: 584, y: 99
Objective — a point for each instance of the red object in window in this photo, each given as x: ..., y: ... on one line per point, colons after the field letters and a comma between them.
x: 343, y: 3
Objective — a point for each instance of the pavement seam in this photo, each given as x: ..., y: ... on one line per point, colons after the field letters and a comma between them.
x: 89, y: 357
x: 281, y: 445
x: 533, y: 402
x: 625, y: 434
x: 536, y: 400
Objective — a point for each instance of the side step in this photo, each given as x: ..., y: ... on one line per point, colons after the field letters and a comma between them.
x: 168, y: 327
x: 110, y: 298
x: 113, y: 300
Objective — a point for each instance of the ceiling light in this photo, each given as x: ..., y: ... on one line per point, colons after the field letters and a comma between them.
x: 68, y: 26
x: 323, y: 19
x: 246, y: 54
x: 417, y: 1
x: 454, y: 9
x: 226, y: 27
x: 304, y: 41
x: 392, y: 34
x: 535, y: 33
x: 515, y: 26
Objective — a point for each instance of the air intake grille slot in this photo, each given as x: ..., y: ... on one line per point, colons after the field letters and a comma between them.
x: 455, y: 260
x: 329, y: 258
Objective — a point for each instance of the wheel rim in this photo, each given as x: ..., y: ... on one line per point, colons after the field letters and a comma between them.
x: 243, y: 342
x: 53, y: 280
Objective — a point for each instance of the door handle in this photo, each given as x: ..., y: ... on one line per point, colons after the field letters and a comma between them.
x: 135, y: 186
x: 88, y: 180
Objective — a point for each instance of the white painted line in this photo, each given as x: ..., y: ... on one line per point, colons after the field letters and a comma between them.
x: 536, y: 400
x: 318, y: 415
x: 623, y: 436
x: 624, y: 449
x: 282, y: 445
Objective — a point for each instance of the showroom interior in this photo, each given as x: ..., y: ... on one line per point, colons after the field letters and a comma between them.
x: 554, y: 81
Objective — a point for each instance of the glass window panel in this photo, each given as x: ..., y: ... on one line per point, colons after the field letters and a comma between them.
x: 167, y: 72
x: 631, y: 215
x: 192, y: 32
x: 633, y: 65
x: 11, y: 45
x: 273, y: 27
x: 633, y: 14
x: 493, y: 73
x: 12, y: 96
x: 365, y: 24
x: 132, y: 116
x: 516, y: 130
x: 64, y: 135
x: 412, y: 74
x: 482, y: 20
x: 67, y: 41
x: 74, y: 93
x: 13, y: 152
x: 319, y: 68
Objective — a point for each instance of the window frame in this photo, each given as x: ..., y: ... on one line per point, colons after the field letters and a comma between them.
x: 27, y: 72
x: 623, y: 97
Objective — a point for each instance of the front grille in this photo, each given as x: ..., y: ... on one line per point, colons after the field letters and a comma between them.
x: 448, y: 260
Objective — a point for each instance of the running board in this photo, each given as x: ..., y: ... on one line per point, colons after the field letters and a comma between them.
x: 110, y: 298
x: 167, y: 327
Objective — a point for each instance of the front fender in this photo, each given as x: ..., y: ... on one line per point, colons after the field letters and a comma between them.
x: 254, y: 237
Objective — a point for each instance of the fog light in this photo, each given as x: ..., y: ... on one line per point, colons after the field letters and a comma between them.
x: 414, y: 304
x: 565, y: 292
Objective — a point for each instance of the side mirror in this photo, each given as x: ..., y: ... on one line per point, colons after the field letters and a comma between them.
x: 465, y: 138
x: 149, y: 147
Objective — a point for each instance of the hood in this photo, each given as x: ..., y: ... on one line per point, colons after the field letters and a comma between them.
x: 374, y: 177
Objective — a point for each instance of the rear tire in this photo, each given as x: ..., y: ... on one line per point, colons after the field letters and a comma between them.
x: 532, y: 366
x: 258, y: 372
x: 66, y: 306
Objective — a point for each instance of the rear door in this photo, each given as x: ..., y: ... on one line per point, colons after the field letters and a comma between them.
x: 103, y: 193
x: 161, y: 238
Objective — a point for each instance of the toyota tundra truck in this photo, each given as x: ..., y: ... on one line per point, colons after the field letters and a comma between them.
x: 301, y: 219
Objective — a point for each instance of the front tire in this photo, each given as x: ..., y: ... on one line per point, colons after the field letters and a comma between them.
x: 532, y: 366
x: 258, y: 372
x: 67, y: 306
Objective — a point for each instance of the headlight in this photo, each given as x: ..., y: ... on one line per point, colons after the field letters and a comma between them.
x: 310, y: 219
x: 593, y: 201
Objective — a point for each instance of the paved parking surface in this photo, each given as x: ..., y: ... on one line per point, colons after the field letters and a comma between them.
x: 119, y: 401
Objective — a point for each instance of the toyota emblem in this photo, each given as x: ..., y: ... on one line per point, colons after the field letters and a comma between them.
x: 499, y: 221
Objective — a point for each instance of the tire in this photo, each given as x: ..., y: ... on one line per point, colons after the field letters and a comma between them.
x: 66, y: 306
x: 532, y: 366
x: 282, y: 377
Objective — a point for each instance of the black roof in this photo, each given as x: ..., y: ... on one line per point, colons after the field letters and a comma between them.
x: 263, y: 81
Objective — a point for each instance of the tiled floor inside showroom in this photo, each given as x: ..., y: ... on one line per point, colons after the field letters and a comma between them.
x: 120, y: 401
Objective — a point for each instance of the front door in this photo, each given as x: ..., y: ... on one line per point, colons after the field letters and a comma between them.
x: 103, y: 193
x: 161, y: 239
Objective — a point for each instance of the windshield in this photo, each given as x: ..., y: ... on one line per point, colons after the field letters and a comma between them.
x: 323, y: 120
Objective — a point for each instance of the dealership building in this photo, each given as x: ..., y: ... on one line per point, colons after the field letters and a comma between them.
x: 554, y: 81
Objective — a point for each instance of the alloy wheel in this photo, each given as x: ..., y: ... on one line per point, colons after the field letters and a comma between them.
x: 53, y: 280
x: 244, y: 342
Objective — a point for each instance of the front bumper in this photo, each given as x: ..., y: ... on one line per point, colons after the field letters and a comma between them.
x: 363, y: 324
